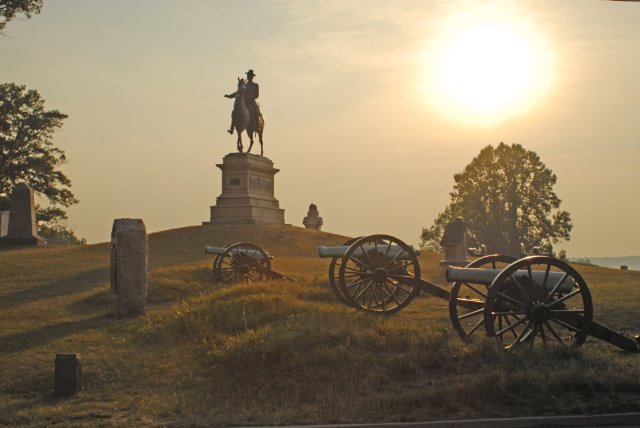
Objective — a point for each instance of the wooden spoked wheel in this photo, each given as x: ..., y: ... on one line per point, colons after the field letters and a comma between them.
x: 379, y: 273
x: 538, y: 301
x: 216, y: 277
x: 466, y: 303
x: 334, y: 269
x: 243, y: 262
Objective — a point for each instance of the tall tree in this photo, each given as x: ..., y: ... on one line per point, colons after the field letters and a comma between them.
x: 506, y: 197
x: 27, y: 152
x: 10, y: 9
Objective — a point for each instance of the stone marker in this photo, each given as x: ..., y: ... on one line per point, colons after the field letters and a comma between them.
x: 68, y: 374
x: 454, y: 244
x: 313, y: 219
x: 4, y: 223
x: 129, y: 255
x: 22, y: 218
x: 247, y: 192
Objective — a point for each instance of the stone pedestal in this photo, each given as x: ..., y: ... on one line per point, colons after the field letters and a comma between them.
x: 22, y: 228
x: 247, y: 192
x: 129, y: 255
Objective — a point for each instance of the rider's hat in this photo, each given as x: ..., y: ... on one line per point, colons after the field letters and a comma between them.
x: 250, y: 73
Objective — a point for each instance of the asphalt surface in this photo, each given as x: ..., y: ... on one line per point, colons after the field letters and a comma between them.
x: 613, y: 420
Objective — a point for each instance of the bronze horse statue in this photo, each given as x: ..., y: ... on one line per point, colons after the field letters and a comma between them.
x: 243, y: 120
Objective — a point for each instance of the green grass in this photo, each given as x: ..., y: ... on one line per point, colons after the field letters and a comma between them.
x: 277, y: 352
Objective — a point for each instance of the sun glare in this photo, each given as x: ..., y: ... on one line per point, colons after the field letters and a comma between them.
x: 482, y: 71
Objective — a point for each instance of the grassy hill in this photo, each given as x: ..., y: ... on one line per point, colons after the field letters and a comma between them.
x: 276, y: 352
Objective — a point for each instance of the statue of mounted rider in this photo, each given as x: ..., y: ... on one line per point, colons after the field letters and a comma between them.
x: 246, y: 114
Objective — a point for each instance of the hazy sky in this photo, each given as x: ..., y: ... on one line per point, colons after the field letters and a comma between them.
x: 358, y: 117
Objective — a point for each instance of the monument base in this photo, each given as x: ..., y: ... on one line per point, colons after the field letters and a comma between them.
x: 247, y: 192
x: 6, y: 241
x: 242, y: 214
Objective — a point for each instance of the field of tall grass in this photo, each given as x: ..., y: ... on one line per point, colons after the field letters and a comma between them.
x: 278, y: 352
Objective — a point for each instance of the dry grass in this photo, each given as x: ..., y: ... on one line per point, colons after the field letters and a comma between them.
x: 276, y: 352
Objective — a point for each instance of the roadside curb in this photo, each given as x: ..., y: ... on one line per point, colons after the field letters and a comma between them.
x: 612, y: 420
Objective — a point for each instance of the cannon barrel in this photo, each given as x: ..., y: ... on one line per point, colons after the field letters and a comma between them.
x: 486, y: 277
x: 339, y: 251
x: 209, y: 249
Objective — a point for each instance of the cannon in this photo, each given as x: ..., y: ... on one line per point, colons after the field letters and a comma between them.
x: 241, y: 262
x: 537, y: 300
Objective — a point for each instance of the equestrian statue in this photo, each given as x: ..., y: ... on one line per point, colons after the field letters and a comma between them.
x: 246, y: 114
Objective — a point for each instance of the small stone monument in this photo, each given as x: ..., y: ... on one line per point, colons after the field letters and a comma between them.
x: 247, y: 192
x: 4, y: 223
x: 313, y: 219
x: 22, y: 218
x: 454, y: 244
x: 68, y: 374
x: 129, y: 255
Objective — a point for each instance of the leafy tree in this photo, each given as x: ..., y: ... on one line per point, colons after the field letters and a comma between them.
x: 10, y: 9
x: 506, y: 197
x: 52, y: 227
x: 27, y: 153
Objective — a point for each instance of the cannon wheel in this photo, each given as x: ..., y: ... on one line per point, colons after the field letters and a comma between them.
x: 466, y: 304
x: 243, y: 262
x: 518, y: 312
x: 334, y: 268
x: 377, y: 280
x: 216, y: 277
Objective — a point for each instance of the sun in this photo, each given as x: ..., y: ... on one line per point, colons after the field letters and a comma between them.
x: 483, y: 71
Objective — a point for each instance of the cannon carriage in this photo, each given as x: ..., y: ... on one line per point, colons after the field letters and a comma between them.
x: 241, y: 262
x: 537, y: 300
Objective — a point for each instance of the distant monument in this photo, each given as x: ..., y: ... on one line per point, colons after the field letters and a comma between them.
x: 247, y: 192
x: 22, y: 228
x: 313, y: 219
x: 455, y: 244
x: 129, y: 257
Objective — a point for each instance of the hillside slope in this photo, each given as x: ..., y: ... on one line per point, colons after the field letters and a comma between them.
x: 276, y: 352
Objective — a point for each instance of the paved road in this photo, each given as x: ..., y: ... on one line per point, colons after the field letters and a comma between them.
x: 615, y: 420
